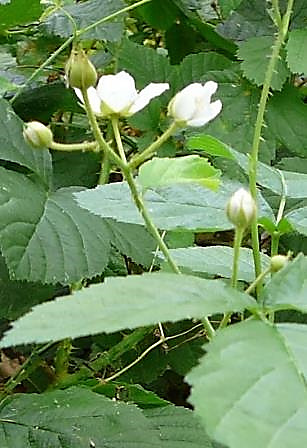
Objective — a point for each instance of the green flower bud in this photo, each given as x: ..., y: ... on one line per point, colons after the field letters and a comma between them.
x: 37, y: 134
x: 241, y: 208
x: 80, y: 72
x: 278, y: 262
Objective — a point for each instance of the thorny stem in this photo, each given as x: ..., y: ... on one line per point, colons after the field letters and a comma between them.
x: 148, y: 152
x: 71, y: 39
x: 282, y: 32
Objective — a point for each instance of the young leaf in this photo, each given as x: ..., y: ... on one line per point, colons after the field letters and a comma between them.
x: 217, y: 260
x: 255, y: 53
x: 249, y: 388
x: 296, y: 51
x: 160, y: 172
x: 45, y: 236
x: 288, y: 289
x: 127, y: 302
x: 175, y: 207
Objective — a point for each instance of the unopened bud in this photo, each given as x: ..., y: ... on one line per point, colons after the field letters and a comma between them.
x: 241, y: 208
x: 37, y: 134
x: 80, y: 72
x: 278, y: 262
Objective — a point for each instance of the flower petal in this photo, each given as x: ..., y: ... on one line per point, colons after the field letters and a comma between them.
x: 207, y: 114
x: 183, y: 106
x: 117, y: 92
x: 147, y: 94
x: 93, y: 99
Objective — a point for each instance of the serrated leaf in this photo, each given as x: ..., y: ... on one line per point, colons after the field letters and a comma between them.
x: 14, y: 148
x: 249, y: 388
x: 85, y: 14
x: 256, y: 53
x: 133, y: 240
x: 45, y: 236
x: 74, y: 418
x: 296, y: 51
x: 298, y: 219
x: 287, y: 288
x: 160, y: 172
x: 286, y: 118
x: 217, y: 260
x: 19, y: 12
x: 176, y: 207
x: 127, y: 302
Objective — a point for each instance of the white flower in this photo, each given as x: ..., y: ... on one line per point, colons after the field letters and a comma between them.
x: 117, y: 95
x: 241, y: 208
x: 37, y: 134
x: 192, y: 106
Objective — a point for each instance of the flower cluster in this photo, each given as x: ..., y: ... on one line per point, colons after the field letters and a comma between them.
x: 117, y: 95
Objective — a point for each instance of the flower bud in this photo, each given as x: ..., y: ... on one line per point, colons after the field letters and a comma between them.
x: 37, y: 134
x: 278, y: 262
x: 80, y: 72
x: 241, y: 208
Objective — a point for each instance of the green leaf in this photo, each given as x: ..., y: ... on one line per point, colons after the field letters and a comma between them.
x: 296, y: 51
x: 13, y: 147
x: 16, y: 298
x: 189, y: 169
x: 19, y: 12
x: 210, y: 145
x: 286, y: 118
x: 85, y: 14
x: 255, y: 53
x: 250, y: 19
x: 227, y: 6
x: 74, y: 418
x: 45, y: 236
x: 176, y: 207
x: 287, y: 288
x: 160, y: 14
x: 127, y: 302
x: 249, y: 388
x: 179, y: 427
x: 298, y: 219
x: 79, y: 418
x: 6, y: 85
x: 217, y: 260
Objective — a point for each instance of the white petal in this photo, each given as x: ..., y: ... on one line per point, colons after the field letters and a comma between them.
x: 183, y: 105
x: 209, y: 88
x: 147, y: 94
x: 209, y: 112
x: 93, y: 99
x: 117, y: 92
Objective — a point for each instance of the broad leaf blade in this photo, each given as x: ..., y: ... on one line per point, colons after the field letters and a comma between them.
x: 298, y: 219
x: 217, y: 260
x: 127, y: 302
x: 249, y: 389
x: 176, y: 207
x: 160, y: 172
x: 19, y: 12
x: 13, y: 147
x: 296, y: 51
x: 288, y: 287
x: 47, y: 237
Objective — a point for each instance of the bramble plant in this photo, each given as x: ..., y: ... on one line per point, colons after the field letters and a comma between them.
x: 153, y: 223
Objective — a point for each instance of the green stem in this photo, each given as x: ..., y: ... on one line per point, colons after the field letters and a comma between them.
x: 104, y: 170
x: 258, y: 129
x: 62, y: 358
x: 239, y: 232
x: 148, y: 152
x: 85, y: 146
x: 275, y: 243
x: 118, y: 139
x: 261, y: 276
